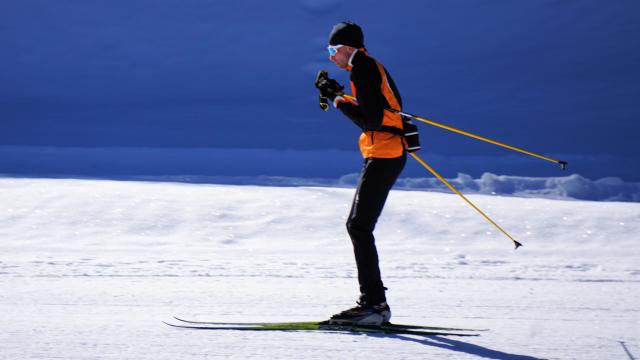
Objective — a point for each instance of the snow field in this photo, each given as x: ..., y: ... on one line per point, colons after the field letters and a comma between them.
x: 89, y: 269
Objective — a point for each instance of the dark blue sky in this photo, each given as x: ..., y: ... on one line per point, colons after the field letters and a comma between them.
x: 556, y: 77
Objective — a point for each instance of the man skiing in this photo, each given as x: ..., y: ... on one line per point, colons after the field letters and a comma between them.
x: 383, y: 147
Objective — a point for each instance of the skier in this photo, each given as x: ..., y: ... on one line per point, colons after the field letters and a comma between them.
x: 383, y: 147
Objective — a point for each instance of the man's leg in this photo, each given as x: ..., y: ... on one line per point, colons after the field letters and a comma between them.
x: 376, y: 180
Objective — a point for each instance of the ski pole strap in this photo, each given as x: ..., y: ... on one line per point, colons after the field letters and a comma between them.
x: 435, y: 173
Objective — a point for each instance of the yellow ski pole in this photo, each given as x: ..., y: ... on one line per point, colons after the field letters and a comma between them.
x: 435, y: 173
x: 563, y: 164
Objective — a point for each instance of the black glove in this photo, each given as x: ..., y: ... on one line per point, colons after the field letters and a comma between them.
x: 329, y: 88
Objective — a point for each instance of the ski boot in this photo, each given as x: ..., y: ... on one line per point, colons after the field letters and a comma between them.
x: 363, y: 314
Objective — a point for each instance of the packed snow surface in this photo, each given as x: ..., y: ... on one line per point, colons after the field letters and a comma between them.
x: 90, y: 268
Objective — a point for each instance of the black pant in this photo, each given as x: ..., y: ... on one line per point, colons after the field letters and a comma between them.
x: 377, y: 177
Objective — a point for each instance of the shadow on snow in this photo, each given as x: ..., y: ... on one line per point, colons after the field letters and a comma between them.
x: 457, y: 346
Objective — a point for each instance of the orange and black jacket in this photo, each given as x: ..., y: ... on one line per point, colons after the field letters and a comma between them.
x: 375, y: 91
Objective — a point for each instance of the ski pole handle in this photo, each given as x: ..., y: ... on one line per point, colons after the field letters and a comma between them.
x: 324, y: 103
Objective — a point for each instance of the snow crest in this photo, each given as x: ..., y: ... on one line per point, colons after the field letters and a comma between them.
x: 566, y: 187
x: 282, y: 168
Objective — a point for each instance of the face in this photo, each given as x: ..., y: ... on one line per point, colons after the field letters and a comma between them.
x: 341, y: 57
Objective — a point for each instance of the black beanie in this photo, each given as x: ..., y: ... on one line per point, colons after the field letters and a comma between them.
x: 347, y: 33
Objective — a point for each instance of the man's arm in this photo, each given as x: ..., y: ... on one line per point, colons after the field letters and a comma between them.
x: 368, y: 113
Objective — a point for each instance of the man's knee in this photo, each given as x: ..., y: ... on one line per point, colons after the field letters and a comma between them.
x: 355, y: 227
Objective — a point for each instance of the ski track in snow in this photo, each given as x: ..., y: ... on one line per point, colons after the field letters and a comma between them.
x: 89, y: 268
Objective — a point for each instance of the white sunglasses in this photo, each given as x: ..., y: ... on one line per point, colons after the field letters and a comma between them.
x: 333, y: 49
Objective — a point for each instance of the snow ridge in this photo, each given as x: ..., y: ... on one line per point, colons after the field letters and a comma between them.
x: 572, y: 187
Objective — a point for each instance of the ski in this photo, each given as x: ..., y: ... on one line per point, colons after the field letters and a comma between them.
x: 318, y: 323
x: 319, y: 326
